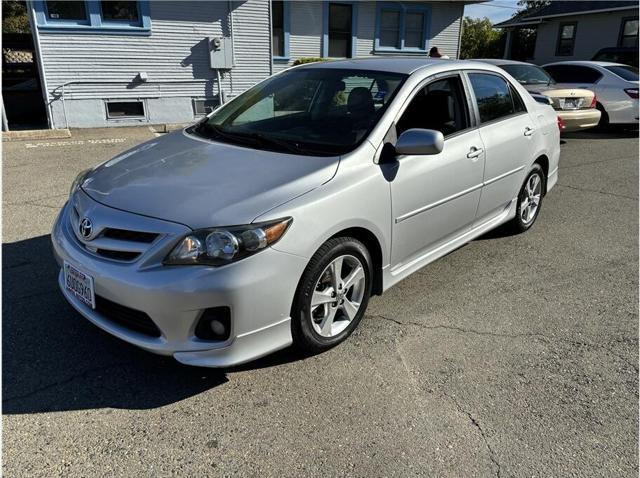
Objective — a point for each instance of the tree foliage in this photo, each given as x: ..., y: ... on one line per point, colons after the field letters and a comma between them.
x: 480, y: 39
x: 14, y: 17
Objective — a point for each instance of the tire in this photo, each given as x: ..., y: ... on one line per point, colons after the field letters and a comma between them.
x: 604, y: 117
x: 523, y: 222
x: 313, y: 327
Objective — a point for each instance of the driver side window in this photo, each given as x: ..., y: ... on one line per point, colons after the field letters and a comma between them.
x: 440, y: 106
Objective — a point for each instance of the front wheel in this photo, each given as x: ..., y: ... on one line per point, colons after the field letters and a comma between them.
x: 529, y: 200
x: 333, y: 295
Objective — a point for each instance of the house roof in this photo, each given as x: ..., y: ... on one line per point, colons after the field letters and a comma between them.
x: 560, y: 8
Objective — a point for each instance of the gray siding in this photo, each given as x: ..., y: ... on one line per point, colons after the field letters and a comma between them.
x: 595, y: 31
x: 305, y: 39
x: 176, y: 50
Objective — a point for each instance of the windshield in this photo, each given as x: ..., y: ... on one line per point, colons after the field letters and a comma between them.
x: 528, y: 74
x: 315, y: 111
x: 628, y: 73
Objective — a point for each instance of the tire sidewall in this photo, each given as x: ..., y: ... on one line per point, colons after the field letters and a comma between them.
x: 535, y: 169
x: 302, y: 328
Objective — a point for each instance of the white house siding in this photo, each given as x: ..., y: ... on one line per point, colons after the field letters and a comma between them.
x: 594, y: 31
x: 305, y: 39
x: 176, y: 50
x: 446, y: 18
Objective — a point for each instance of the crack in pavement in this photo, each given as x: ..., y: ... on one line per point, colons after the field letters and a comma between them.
x: 537, y: 335
x: 475, y: 423
x: 596, y: 191
x: 66, y: 381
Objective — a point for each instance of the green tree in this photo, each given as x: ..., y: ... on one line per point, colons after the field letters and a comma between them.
x: 14, y: 17
x: 480, y: 39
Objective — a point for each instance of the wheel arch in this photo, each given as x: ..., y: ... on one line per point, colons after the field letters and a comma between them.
x: 543, y: 161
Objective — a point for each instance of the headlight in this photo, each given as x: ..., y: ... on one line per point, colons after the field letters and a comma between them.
x: 221, y: 245
x: 77, y: 181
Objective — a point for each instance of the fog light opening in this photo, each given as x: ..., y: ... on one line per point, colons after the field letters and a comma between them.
x: 217, y: 327
x: 214, y: 324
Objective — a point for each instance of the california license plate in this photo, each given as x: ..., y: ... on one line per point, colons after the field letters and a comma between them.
x: 571, y: 103
x: 80, y: 285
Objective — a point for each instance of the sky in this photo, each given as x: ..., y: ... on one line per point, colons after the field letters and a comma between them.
x: 495, y: 10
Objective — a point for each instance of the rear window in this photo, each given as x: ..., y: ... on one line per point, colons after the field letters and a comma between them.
x: 493, y: 95
x: 573, y: 73
x: 628, y: 73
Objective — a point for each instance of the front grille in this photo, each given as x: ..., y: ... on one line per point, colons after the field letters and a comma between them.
x: 133, y: 236
x: 117, y: 255
x: 132, y: 319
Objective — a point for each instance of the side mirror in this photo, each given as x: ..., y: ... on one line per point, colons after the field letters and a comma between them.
x: 420, y: 141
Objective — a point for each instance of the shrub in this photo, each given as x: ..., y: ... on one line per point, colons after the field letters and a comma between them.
x: 302, y: 61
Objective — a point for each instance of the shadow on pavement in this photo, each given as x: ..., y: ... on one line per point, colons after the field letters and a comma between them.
x: 609, y: 133
x: 55, y: 360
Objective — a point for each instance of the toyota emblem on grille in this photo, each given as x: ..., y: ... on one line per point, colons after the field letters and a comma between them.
x: 85, y: 228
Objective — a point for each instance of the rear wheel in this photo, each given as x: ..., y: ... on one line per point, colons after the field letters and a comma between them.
x: 333, y: 295
x: 529, y: 200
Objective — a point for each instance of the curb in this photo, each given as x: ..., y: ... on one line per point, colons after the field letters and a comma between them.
x: 35, y: 134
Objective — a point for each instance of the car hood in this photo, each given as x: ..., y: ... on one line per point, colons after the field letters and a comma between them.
x: 200, y: 183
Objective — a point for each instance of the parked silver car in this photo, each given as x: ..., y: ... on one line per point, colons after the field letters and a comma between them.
x: 274, y: 219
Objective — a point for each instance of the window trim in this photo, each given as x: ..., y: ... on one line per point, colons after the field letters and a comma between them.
x: 94, y: 23
x: 474, y: 100
x: 286, y: 29
x: 325, y: 26
x: 621, y: 35
x: 573, y: 39
x: 403, y: 9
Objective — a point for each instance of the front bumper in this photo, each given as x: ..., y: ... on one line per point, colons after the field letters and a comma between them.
x: 578, y: 120
x: 259, y: 291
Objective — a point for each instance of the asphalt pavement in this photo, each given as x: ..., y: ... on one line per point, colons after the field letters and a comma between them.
x: 512, y: 356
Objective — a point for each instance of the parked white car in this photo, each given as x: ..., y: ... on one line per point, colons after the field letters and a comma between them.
x: 615, y: 86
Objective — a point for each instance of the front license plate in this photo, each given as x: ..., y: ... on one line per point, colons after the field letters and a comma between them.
x: 80, y: 285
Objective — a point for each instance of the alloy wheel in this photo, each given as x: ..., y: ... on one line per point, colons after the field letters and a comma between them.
x: 531, y: 199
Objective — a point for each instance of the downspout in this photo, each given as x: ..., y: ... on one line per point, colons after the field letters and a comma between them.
x: 36, y: 44
x: 270, y: 40
x: 460, y: 34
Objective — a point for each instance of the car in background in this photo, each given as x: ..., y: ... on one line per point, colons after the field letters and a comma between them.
x: 615, y: 86
x: 620, y: 54
x: 575, y: 107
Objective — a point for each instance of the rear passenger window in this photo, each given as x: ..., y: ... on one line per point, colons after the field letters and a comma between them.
x: 573, y: 73
x: 493, y: 95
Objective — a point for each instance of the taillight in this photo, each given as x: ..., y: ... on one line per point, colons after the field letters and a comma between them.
x: 632, y: 92
x: 593, y: 102
x: 560, y: 124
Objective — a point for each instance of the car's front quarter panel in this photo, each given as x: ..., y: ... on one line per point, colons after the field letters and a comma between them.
x: 357, y: 197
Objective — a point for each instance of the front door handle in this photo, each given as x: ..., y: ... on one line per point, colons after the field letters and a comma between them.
x: 474, y: 152
x: 528, y: 131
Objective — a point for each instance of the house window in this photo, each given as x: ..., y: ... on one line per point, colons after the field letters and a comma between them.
x: 93, y: 16
x: 125, y: 109
x: 340, y: 22
x: 566, y: 39
x: 401, y: 28
x: 629, y: 32
x: 72, y: 11
x: 280, y: 29
x: 119, y: 11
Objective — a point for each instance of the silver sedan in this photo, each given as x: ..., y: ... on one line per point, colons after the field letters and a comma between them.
x: 273, y: 220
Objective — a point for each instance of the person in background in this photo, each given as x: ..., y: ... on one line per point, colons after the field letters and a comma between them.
x: 436, y: 53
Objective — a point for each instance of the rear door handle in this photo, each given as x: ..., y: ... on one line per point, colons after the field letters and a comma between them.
x: 474, y: 152
x: 528, y: 131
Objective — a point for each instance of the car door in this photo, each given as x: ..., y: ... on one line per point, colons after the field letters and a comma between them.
x: 435, y: 197
x: 506, y: 131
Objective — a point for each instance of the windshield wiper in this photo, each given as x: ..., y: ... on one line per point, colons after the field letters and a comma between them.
x: 218, y: 131
x: 280, y: 143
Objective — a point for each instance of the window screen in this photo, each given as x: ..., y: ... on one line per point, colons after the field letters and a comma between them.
x: 566, y: 39
x: 339, y: 30
x: 389, y: 28
x: 277, y: 27
x: 66, y: 10
x: 119, y: 11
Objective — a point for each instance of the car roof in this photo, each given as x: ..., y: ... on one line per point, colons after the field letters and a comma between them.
x: 585, y: 63
x: 406, y: 65
x: 502, y: 61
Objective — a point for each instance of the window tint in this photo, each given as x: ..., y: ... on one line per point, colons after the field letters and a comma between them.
x: 628, y: 73
x: 493, y: 96
x: 566, y: 39
x: 518, y: 103
x: 277, y: 27
x: 573, y: 73
x: 66, y: 10
x: 339, y: 30
x: 440, y: 106
x: 629, y: 32
x: 119, y: 11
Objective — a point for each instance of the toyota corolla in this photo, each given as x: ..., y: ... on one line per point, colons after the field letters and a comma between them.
x: 273, y: 220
